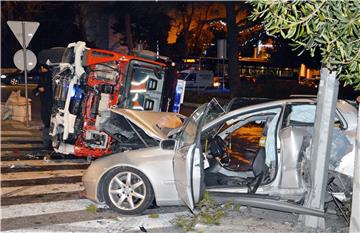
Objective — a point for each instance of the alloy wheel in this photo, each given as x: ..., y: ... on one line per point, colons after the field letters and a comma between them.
x: 127, y: 190
x: 14, y: 81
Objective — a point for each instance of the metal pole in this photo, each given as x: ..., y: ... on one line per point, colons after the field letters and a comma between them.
x: 223, y: 78
x: 321, y: 146
x: 25, y: 75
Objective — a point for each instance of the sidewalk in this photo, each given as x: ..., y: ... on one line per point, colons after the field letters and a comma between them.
x: 253, y: 220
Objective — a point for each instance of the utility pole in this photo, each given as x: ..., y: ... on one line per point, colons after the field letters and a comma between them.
x: 321, y: 146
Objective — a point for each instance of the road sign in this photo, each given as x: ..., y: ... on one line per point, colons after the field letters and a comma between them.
x: 30, y: 60
x: 29, y: 31
x: 24, y: 32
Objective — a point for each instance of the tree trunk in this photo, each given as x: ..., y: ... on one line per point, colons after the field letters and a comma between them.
x: 233, y: 49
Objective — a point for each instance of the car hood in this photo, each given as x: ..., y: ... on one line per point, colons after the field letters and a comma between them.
x: 153, y: 123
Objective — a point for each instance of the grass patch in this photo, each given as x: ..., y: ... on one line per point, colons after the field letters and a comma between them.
x: 184, y: 222
x: 91, y: 208
x: 210, y: 213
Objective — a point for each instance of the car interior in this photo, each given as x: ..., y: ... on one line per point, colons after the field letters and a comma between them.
x: 241, y: 152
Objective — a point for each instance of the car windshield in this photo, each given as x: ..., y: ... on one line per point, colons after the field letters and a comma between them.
x: 192, y: 125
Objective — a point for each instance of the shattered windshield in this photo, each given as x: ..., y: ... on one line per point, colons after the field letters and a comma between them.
x: 214, y: 110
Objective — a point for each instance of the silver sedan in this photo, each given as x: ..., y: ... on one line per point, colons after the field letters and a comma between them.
x: 255, y: 151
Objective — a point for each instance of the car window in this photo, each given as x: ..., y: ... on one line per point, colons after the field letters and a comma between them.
x: 191, y: 126
x: 188, y: 135
x: 303, y: 115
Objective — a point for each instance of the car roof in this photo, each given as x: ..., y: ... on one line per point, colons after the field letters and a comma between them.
x: 274, y: 103
x: 255, y: 107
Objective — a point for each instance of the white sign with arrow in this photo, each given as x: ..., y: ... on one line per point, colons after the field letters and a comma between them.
x: 24, y: 32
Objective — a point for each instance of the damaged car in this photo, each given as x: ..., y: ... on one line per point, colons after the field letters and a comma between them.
x: 256, y: 155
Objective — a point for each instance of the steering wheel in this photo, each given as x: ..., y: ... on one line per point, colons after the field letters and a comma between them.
x: 218, y: 148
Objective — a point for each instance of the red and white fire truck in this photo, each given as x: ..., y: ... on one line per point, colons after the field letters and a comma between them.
x: 90, y: 81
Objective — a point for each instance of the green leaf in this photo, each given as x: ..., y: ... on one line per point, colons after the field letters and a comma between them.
x: 291, y: 32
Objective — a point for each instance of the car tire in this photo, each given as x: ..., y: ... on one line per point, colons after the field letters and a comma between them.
x: 120, y: 193
x: 14, y: 81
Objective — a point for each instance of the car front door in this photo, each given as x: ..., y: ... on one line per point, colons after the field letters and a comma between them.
x: 188, y: 161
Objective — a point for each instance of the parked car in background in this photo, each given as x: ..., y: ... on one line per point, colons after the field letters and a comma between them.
x: 199, y: 79
x: 17, y: 77
x: 256, y: 155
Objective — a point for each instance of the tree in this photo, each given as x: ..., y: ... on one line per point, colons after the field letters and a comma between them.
x: 143, y: 23
x: 191, y: 27
x: 333, y: 28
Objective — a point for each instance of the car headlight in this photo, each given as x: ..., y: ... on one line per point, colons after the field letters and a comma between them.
x: 3, y: 76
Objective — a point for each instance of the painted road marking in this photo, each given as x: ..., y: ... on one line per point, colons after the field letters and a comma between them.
x: 33, y: 209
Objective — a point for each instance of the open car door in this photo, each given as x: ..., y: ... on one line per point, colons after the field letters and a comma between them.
x: 188, y: 160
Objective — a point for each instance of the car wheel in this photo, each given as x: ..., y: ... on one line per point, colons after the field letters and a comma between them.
x: 14, y: 81
x: 127, y: 191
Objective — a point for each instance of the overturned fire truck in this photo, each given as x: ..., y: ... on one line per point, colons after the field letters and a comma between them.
x: 90, y: 81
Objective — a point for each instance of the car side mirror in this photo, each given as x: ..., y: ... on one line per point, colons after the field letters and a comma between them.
x: 167, y: 144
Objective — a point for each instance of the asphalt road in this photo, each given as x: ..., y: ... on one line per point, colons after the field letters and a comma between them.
x: 35, y: 105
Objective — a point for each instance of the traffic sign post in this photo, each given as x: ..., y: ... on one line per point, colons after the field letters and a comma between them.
x: 25, y: 75
x: 24, y: 32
